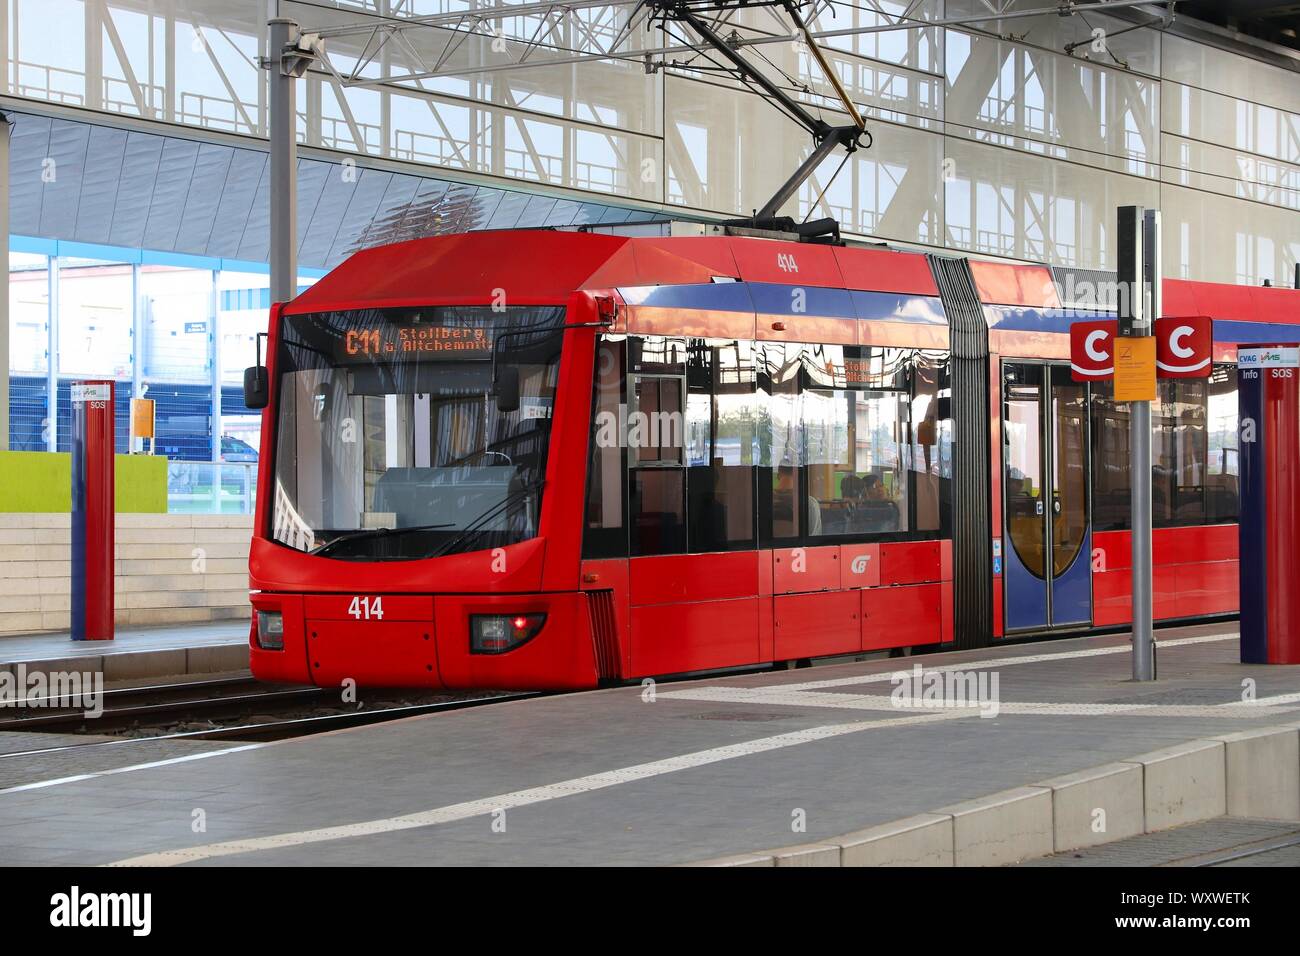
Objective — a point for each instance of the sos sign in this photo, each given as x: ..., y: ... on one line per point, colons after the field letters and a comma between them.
x: 1184, y: 348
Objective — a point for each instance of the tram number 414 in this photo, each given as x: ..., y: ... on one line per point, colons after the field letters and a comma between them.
x: 365, y: 608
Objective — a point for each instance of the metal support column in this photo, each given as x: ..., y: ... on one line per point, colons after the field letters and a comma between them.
x: 282, y: 122
x: 52, y: 356
x: 1144, y: 640
x: 214, y: 363
x: 137, y: 335
x: 6, y: 127
x: 1134, y: 243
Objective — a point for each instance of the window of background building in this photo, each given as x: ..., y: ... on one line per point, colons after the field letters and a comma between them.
x: 29, y: 303
x: 95, y: 311
x: 243, y: 301
x: 100, y: 306
x: 176, y: 355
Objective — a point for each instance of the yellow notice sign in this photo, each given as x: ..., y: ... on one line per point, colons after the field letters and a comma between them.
x: 142, y: 418
x: 1135, y: 369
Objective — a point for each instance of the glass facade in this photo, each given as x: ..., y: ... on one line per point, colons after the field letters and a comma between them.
x: 1006, y: 137
x: 177, y: 331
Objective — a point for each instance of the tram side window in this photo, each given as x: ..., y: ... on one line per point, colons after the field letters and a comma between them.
x: 858, y: 459
x: 1110, y: 460
x: 931, y: 437
x: 1178, y: 453
x: 781, y: 452
x: 1193, y: 453
x: 861, y: 449
x: 605, y: 518
x: 691, y: 445
x: 720, y: 445
x: 655, y: 434
x: 1221, y: 466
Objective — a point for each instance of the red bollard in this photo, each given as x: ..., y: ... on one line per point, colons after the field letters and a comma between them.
x: 92, y: 511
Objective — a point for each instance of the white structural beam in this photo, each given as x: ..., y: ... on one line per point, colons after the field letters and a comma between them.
x: 462, y: 25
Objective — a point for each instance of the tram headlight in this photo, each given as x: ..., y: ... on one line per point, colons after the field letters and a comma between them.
x: 498, y: 633
x: 270, y: 630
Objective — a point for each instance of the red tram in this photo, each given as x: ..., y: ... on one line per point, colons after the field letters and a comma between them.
x: 544, y: 459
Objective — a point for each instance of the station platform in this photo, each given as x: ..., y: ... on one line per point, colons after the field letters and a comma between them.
x: 137, y: 653
x: 736, y: 767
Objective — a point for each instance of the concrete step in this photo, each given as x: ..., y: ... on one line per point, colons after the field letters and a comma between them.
x: 205, y: 647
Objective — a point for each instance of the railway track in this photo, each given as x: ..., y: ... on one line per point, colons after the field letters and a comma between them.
x: 266, y: 730
x: 124, y: 706
x: 1244, y: 851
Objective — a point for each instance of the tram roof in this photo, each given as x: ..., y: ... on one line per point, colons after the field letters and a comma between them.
x: 541, y: 266
x: 545, y: 266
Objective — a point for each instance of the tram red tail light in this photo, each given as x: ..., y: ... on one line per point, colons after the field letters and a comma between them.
x: 498, y: 633
x: 270, y: 630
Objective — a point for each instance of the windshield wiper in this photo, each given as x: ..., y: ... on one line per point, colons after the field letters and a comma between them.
x: 475, y: 526
x: 374, y: 533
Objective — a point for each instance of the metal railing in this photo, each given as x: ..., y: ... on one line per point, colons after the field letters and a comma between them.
x: 208, y: 487
x: 42, y: 82
x: 120, y: 97
x: 219, y: 112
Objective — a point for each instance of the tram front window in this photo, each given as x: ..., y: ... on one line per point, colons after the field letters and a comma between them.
x: 390, y: 444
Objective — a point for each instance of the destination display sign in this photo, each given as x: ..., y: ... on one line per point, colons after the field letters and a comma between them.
x: 411, y: 340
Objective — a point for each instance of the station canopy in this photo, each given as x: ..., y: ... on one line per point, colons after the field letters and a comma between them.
x: 85, y: 182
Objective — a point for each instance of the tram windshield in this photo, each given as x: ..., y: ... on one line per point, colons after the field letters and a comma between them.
x: 391, y: 443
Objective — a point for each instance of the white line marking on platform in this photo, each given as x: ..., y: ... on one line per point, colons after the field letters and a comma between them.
x: 906, y: 663
x: 1273, y: 701
x: 778, y: 696
x: 520, y: 798
x: 42, y: 784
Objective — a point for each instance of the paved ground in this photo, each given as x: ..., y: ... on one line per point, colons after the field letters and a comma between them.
x: 27, y: 758
x: 1222, y: 842
x: 134, y: 655
x: 625, y: 776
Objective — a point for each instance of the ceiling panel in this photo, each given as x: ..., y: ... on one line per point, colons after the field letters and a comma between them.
x: 92, y: 183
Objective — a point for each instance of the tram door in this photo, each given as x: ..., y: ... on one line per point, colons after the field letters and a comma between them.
x: 1047, y: 525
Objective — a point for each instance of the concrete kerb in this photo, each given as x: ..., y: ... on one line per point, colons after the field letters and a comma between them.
x: 1183, y: 784
x: 1255, y: 773
x: 923, y: 840
x: 1097, y: 806
x: 1261, y: 775
x: 145, y: 664
x: 808, y: 854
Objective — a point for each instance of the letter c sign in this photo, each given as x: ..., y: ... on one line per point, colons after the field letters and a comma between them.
x: 1184, y: 347
x: 1092, y: 349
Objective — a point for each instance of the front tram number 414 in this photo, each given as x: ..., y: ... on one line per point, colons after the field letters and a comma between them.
x: 364, y: 608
